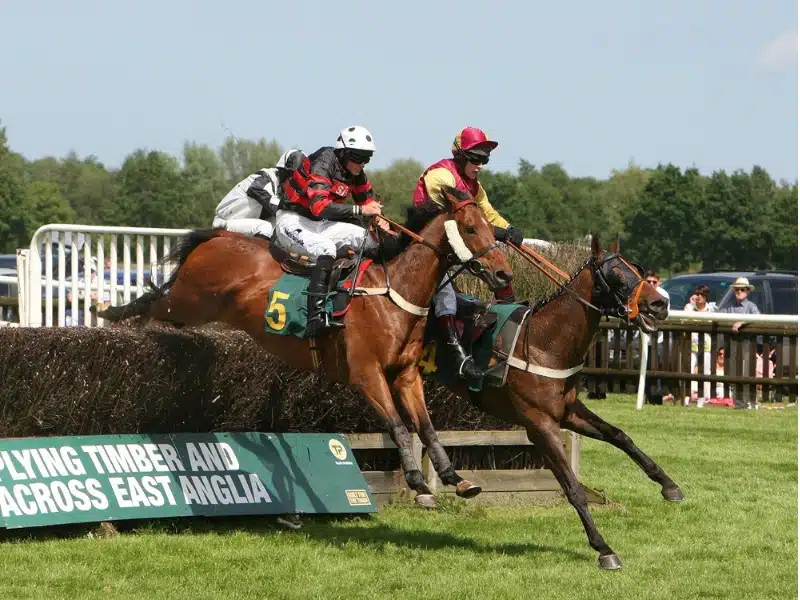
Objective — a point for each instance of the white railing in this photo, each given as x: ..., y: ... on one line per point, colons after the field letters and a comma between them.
x: 81, y: 284
x: 682, y: 316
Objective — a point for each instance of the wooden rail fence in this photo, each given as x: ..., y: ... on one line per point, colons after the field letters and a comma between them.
x: 613, y: 363
x: 497, y: 484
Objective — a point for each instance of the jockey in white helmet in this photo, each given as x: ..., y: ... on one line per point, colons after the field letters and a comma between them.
x: 315, y: 219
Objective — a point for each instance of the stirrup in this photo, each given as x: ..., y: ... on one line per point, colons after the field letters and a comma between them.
x: 478, y: 373
x: 320, y: 324
x: 330, y: 323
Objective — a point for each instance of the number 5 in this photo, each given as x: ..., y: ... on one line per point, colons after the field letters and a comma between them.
x: 276, y: 306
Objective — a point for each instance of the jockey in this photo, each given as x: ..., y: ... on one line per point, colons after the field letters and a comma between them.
x: 471, y: 149
x: 251, y: 205
x: 315, y: 220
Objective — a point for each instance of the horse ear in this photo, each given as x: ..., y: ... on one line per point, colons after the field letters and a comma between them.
x: 597, y: 251
x: 455, y: 196
x: 447, y: 192
x: 614, y: 248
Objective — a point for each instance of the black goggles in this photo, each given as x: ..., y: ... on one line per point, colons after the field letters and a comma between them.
x: 477, y: 159
x: 360, y: 159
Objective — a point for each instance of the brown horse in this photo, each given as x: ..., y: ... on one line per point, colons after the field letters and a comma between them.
x: 227, y: 277
x: 541, y: 387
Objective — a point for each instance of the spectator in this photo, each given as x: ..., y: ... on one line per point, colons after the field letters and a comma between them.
x: 699, y: 303
x: 741, y: 289
x: 657, y: 396
x: 760, y: 368
x: 720, y: 399
x: 699, y: 300
x: 653, y: 279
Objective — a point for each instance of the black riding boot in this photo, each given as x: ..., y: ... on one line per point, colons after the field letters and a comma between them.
x: 466, y: 366
x: 318, y: 319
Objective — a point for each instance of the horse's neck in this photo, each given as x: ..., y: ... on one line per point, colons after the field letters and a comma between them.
x: 565, y: 315
x: 415, y: 272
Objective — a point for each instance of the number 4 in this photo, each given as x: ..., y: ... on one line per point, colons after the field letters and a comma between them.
x: 428, y: 359
x: 275, y: 306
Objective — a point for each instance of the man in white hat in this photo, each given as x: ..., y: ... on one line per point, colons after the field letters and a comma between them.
x: 741, y: 305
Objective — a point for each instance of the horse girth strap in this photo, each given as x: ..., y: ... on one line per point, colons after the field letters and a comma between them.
x: 520, y: 364
x: 526, y: 365
x: 395, y: 297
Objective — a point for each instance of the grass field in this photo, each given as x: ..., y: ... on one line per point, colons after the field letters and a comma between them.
x: 735, y: 536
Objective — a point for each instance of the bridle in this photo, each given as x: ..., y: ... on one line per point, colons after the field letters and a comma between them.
x: 623, y: 307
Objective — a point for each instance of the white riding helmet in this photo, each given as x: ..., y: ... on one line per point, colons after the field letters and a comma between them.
x: 356, y: 138
x: 290, y: 160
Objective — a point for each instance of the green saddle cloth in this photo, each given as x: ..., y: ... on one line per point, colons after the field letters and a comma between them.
x: 442, y: 367
x: 287, y: 308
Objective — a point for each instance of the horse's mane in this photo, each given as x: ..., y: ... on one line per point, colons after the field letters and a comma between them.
x: 560, y: 291
x: 419, y: 216
x: 416, y: 218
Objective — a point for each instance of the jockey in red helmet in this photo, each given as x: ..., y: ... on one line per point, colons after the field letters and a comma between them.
x: 471, y: 149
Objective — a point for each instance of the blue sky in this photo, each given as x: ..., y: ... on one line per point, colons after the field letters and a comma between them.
x: 592, y: 85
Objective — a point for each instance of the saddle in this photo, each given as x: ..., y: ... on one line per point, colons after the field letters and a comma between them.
x: 343, y: 275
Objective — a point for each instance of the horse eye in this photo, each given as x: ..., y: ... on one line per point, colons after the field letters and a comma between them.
x: 469, y: 229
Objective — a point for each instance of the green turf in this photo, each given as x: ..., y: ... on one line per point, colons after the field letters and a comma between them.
x: 735, y: 536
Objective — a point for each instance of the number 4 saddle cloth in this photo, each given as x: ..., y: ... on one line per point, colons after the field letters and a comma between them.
x: 490, y: 332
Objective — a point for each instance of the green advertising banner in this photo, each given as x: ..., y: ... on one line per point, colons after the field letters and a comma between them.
x: 80, y: 479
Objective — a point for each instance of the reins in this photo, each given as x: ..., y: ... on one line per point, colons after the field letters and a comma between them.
x: 540, y: 262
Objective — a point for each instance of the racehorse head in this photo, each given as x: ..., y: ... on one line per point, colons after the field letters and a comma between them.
x: 619, y: 286
x: 471, y: 238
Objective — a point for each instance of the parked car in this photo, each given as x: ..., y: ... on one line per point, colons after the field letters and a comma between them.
x: 775, y: 292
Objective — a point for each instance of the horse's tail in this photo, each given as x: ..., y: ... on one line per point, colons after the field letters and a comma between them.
x: 141, y: 305
x: 135, y: 308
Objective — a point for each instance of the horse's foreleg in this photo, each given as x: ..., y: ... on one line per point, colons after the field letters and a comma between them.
x: 408, y: 386
x: 375, y: 389
x: 545, y: 434
x: 581, y: 420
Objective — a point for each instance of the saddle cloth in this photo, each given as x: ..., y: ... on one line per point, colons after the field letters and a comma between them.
x: 287, y: 306
x: 489, y: 332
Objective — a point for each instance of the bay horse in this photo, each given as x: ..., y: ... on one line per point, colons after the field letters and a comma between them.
x: 541, y: 386
x: 226, y: 277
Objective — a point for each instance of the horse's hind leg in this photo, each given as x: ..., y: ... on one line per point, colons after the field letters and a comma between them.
x: 545, y: 434
x: 408, y: 386
x: 375, y: 389
x: 581, y: 420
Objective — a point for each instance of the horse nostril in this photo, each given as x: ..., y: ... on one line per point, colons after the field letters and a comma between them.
x: 504, y: 276
x: 659, y: 305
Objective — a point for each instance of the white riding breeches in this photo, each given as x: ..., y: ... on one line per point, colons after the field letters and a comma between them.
x: 319, y: 238
x: 247, y: 226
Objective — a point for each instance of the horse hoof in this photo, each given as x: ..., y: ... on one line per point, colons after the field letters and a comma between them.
x: 673, y: 494
x: 610, y: 561
x: 426, y: 500
x: 466, y: 489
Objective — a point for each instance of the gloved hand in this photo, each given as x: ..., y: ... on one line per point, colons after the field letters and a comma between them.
x: 513, y: 235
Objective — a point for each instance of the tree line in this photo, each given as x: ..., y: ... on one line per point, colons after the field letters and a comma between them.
x: 668, y: 218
